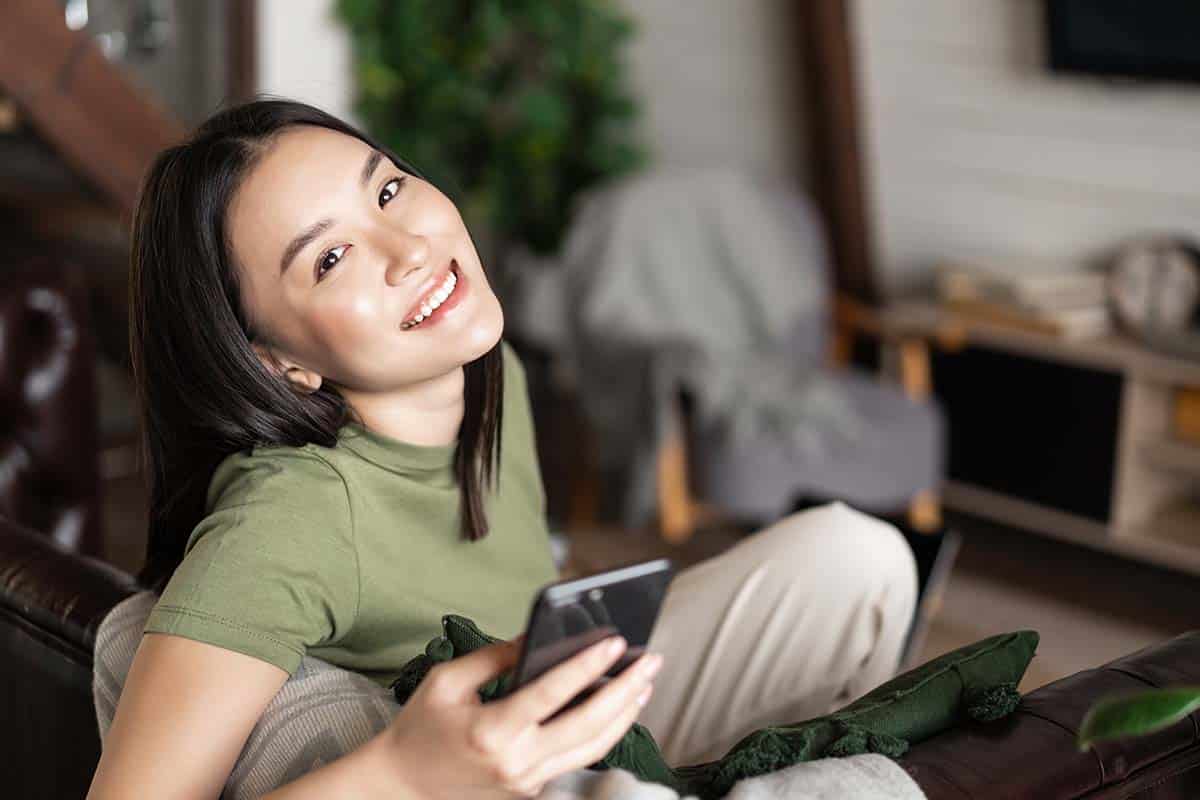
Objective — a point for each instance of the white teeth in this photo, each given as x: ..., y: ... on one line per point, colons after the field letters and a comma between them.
x: 434, y: 300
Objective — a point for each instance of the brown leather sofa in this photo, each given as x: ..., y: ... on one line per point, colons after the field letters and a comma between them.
x: 48, y: 438
x: 51, y: 602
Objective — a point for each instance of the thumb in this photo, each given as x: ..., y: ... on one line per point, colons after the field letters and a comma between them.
x: 462, y: 677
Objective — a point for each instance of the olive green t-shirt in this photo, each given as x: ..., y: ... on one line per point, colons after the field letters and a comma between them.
x: 353, y: 553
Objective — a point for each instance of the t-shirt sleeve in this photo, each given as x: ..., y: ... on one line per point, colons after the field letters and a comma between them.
x: 271, y: 570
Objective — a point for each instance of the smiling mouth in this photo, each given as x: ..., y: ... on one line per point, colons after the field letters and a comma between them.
x: 436, y: 298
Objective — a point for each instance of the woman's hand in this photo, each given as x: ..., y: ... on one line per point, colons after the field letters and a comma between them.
x: 445, y: 743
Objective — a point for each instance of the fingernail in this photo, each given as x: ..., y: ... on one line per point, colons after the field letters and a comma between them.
x: 652, y: 664
x: 615, y: 646
x: 644, y: 697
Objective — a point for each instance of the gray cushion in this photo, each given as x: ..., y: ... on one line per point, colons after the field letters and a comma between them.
x: 894, y: 450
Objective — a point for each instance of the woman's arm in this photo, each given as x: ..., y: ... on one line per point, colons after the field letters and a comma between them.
x: 185, y: 712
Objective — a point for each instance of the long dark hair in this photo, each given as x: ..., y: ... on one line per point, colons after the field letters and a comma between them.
x: 203, y: 392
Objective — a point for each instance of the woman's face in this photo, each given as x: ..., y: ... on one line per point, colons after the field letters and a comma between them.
x: 340, y: 252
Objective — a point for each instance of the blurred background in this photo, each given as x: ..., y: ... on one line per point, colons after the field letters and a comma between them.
x: 934, y: 258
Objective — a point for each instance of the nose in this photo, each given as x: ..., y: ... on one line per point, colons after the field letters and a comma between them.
x: 406, y: 252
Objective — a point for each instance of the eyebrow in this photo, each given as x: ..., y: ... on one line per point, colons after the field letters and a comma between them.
x: 306, y: 236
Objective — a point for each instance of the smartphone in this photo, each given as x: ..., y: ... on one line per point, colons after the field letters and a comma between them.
x: 569, y: 616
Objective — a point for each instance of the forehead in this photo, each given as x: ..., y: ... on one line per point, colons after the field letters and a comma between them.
x: 309, y: 157
x: 304, y: 175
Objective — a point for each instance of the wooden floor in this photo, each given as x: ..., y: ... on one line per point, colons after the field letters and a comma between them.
x: 1089, y: 607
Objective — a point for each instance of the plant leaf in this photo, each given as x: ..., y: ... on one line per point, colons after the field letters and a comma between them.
x: 1137, y: 713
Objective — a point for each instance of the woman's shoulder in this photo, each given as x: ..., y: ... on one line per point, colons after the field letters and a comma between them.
x: 282, y: 473
x: 260, y: 500
x: 271, y: 569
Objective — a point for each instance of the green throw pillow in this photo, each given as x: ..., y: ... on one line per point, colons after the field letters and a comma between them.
x: 978, y: 681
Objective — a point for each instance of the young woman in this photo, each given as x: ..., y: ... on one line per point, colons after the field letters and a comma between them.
x: 341, y: 451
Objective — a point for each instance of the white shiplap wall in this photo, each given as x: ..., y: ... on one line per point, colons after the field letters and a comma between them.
x: 975, y: 150
x: 304, y: 54
x: 719, y: 83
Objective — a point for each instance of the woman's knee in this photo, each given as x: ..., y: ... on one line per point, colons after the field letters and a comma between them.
x: 869, y: 553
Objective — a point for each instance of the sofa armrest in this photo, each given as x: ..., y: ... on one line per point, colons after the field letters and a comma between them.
x: 1032, y: 753
x: 63, y: 594
x: 51, y: 603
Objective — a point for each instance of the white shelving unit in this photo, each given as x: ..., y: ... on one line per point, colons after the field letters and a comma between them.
x: 1155, y: 513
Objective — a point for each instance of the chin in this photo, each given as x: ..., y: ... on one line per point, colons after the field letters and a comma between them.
x: 484, y: 333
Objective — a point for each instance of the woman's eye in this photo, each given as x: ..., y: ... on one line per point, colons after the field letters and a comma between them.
x: 329, y: 259
x: 390, y: 190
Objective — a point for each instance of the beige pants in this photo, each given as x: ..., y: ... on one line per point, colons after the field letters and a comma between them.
x: 793, y: 622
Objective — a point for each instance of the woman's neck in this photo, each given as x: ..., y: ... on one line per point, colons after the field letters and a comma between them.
x: 429, y: 413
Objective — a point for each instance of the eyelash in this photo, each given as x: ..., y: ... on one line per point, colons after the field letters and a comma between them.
x: 323, y: 259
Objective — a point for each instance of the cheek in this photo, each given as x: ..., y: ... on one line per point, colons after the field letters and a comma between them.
x: 342, y: 336
x: 351, y: 323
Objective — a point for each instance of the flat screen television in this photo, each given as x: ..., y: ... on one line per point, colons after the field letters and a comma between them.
x: 1155, y: 39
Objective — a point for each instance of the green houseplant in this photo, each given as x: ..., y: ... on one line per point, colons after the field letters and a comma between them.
x: 1137, y: 713
x: 510, y: 106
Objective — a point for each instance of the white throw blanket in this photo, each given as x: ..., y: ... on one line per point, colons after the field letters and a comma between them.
x: 323, y: 712
x: 865, y: 777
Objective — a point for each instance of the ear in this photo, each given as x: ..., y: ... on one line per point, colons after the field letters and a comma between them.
x: 303, y: 380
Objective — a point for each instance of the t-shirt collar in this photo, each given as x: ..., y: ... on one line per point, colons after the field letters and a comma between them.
x: 393, y: 453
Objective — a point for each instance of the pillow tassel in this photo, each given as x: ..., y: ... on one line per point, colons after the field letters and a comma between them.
x: 992, y: 702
